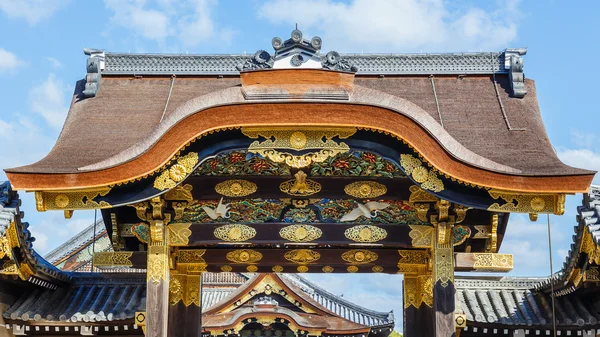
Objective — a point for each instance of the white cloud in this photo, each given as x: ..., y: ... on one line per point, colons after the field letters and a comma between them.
x: 56, y: 64
x: 49, y: 99
x: 189, y: 21
x: 32, y: 11
x: 408, y: 25
x: 8, y: 61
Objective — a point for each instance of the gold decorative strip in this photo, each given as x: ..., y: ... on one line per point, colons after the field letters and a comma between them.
x: 247, y: 256
x: 300, y: 233
x: 235, y: 233
x: 365, y: 233
x: 528, y: 203
x: 422, y: 236
x: 413, y: 257
x: 300, y: 186
x: 158, y: 264
x: 418, y: 290
x: 298, y: 139
x: 591, y: 275
x: 71, y: 200
x: 483, y: 231
x: 359, y: 256
x: 302, y: 256
x: 236, y: 188
x: 112, y: 259
x: 169, y: 177
x: 427, y: 178
x: 179, y: 234
x: 493, y: 262
x: 365, y: 189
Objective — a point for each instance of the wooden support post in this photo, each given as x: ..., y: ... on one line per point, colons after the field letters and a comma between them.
x: 418, y: 297
x: 443, y: 282
x: 157, y: 282
x: 185, y: 305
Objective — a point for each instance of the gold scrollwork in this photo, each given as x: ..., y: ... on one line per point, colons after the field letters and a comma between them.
x: 427, y: 179
x: 292, y: 138
x: 236, y: 188
x: 300, y: 233
x: 365, y: 189
x: 300, y: 186
x: 70, y: 200
x: 112, y: 259
x: 483, y: 231
x: 422, y: 236
x: 365, y: 233
x: 179, y: 234
x: 493, y: 262
x: 169, y: 177
x: 235, y: 233
x: 359, y: 256
x: 302, y: 256
x: 527, y: 203
x: 247, y: 256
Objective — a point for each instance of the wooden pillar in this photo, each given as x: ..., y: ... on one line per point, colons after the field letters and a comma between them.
x: 157, y: 282
x: 418, y: 298
x: 185, y: 304
x: 443, y: 282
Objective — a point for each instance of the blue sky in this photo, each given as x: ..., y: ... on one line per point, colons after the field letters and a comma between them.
x: 41, y: 58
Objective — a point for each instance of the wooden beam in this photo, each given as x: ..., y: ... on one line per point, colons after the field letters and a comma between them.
x: 489, y: 262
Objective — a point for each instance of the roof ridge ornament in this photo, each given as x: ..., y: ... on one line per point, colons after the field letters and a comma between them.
x: 95, y: 65
x: 296, y: 52
x: 513, y: 62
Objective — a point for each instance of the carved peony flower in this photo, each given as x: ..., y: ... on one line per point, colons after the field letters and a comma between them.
x: 342, y: 164
x: 368, y: 156
x: 236, y: 157
x: 259, y: 165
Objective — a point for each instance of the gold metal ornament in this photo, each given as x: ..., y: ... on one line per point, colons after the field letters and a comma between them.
x: 302, y: 269
x: 235, y: 233
x: 413, y: 257
x: 302, y: 256
x: 493, y: 262
x: 300, y: 233
x: 169, y: 177
x: 247, y: 256
x: 365, y: 233
x: 427, y: 179
x: 226, y: 268
x: 71, y: 200
x: 300, y: 186
x: 236, y: 188
x: 377, y: 269
x: 277, y: 269
x: 527, y: 203
x: 158, y: 263
x: 365, y: 189
x: 252, y: 268
x: 359, y: 256
x: 422, y: 236
x: 352, y: 269
x: 179, y: 234
x: 317, y: 139
x: 327, y: 269
x: 112, y: 259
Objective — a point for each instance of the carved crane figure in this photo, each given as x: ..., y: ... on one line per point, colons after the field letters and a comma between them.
x: 368, y: 210
x: 221, y: 211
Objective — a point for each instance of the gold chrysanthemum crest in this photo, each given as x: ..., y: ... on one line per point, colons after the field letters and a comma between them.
x: 428, y: 179
x: 359, y: 256
x: 247, y: 256
x: 300, y: 233
x: 236, y: 188
x: 177, y: 172
x: 365, y: 189
x: 365, y: 233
